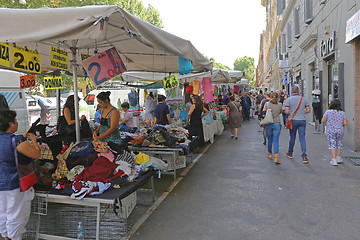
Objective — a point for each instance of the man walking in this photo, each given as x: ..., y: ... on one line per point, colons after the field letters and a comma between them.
x: 246, y: 104
x: 298, y: 106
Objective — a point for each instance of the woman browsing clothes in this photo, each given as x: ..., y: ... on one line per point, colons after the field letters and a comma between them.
x: 109, y: 120
x: 194, y: 119
x: 15, y: 205
x: 234, y: 116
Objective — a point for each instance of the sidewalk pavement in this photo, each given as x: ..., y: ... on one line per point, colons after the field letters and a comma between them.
x: 235, y: 192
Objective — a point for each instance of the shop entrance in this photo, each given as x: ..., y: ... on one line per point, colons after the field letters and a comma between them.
x: 333, y: 81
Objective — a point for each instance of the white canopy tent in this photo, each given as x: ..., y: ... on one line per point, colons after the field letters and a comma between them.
x: 94, y: 29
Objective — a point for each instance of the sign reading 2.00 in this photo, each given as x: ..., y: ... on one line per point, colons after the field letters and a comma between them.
x: 26, y: 59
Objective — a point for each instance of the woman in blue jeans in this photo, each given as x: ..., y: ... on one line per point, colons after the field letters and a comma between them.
x: 273, y: 130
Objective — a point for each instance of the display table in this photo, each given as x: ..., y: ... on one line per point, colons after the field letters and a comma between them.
x: 109, y: 198
x: 216, y: 127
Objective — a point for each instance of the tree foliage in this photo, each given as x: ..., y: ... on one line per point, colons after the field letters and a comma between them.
x: 246, y: 64
x: 218, y: 65
x: 135, y: 7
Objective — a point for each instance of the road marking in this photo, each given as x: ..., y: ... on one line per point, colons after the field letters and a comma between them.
x: 158, y: 201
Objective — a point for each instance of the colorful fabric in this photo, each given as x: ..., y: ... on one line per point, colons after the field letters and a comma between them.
x: 335, y: 121
x: 100, y: 146
x: 145, y: 123
x: 185, y: 66
x: 109, y: 155
x: 196, y: 87
x: 45, y: 152
x: 141, y: 158
x: 125, y: 157
x: 207, y: 88
x: 335, y: 140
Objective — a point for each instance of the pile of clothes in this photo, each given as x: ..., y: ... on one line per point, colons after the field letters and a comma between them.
x: 91, y: 168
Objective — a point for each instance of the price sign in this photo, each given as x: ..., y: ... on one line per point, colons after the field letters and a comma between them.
x: 171, y: 81
x: 27, y: 81
x: 26, y: 59
x: 53, y: 82
x: 59, y: 58
x: 5, y: 54
x: 104, y: 66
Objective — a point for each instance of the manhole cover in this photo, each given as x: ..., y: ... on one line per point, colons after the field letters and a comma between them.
x: 353, y: 160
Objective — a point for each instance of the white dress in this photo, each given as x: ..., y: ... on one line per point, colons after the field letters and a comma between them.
x: 149, y: 105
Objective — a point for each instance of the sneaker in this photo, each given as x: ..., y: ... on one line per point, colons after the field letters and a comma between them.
x: 339, y: 159
x: 333, y: 162
x: 305, y: 160
x: 289, y: 155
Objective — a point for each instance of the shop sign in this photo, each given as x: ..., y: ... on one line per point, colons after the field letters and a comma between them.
x: 59, y: 58
x: 25, y: 59
x: 171, y: 81
x: 352, y: 27
x: 298, y: 68
x: 104, y: 66
x: 27, y: 81
x: 327, y: 46
x: 53, y: 82
x: 5, y: 54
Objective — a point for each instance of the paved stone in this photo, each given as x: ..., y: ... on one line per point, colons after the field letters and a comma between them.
x: 235, y: 192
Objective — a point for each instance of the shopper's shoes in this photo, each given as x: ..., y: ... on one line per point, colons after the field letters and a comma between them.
x: 264, y: 142
x: 269, y: 155
x: 289, y: 155
x: 232, y: 136
x: 276, y: 158
x: 236, y: 137
x: 339, y: 159
x: 333, y: 162
x: 305, y: 160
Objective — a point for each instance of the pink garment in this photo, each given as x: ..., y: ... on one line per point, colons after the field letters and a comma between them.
x: 109, y: 155
x: 207, y: 87
x: 236, y: 88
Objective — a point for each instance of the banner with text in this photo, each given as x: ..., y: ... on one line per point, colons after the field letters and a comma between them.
x: 171, y: 81
x: 25, y: 59
x: 5, y: 54
x: 59, y: 58
x: 104, y: 66
x: 53, y: 82
x: 27, y: 81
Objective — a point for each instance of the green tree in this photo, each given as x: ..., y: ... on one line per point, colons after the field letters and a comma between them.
x: 246, y: 64
x: 218, y: 65
x: 135, y: 7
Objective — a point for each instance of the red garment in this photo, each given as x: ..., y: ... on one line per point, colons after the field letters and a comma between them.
x: 100, y: 171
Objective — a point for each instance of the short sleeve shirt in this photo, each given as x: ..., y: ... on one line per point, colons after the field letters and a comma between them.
x: 293, y: 103
x: 335, y: 121
x: 161, y: 110
x: 129, y: 119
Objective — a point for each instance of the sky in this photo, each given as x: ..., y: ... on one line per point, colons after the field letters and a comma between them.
x: 222, y: 29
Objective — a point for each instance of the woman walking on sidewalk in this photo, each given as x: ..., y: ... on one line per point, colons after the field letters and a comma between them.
x: 273, y: 130
x: 336, y: 120
x: 234, y: 116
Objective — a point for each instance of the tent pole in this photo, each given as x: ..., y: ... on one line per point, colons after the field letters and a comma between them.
x: 76, y: 98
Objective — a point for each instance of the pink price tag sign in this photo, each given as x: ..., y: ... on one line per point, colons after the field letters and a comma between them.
x: 104, y: 66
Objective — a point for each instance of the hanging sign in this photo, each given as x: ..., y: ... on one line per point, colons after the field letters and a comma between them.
x: 171, y: 81
x: 104, y: 66
x: 26, y: 59
x: 53, y: 82
x: 59, y: 58
x: 5, y: 54
x: 27, y: 81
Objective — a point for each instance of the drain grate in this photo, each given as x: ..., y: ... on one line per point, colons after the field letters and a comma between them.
x: 354, y: 160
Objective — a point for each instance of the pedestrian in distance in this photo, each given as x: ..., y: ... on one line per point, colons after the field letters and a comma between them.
x: 336, y: 120
x: 273, y: 130
x: 261, y: 113
x: 234, y: 116
x: 297, y: 107
x: 246, y: 105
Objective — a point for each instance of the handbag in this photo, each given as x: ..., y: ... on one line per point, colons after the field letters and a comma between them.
x: 268, y: 119
x: 64, y: 128
x: 236, y: 107
x: 26, y: 172
x: 288, y: 121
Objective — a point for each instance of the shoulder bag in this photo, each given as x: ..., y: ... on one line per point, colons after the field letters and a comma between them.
x: 268, y: 119
x: 26, y: 172
x: 288, y: 121
x: 236, y: 107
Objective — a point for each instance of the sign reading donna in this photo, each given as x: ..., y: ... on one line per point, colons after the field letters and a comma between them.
x: 53, y: 82
x: 59, y: 58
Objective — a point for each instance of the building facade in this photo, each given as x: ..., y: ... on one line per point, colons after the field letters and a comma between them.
x: 316, y: 44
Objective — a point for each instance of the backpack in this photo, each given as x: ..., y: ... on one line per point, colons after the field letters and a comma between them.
x: 3, y: 102
x: 259, y: 98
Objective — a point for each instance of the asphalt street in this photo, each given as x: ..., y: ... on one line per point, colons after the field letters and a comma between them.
x: 235, y: 192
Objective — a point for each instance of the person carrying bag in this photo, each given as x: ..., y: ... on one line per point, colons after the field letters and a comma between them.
x: 268, y: 119
x: 288, y: 122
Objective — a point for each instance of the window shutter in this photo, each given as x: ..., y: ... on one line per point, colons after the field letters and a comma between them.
x: 297, y: 22
x: 308, y: 8
x: 289, y: 40
x: 283, y: 42
x: 279, y: 7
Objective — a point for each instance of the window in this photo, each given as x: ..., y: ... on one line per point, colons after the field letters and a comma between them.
x: 280, y: 6
x: 308, y: 11
x: 289, y: 40
x: 283, y: 43
x: 297, y: 22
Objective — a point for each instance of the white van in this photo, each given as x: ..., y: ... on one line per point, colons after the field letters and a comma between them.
x: 117, y: 97
x: 10, y: 88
